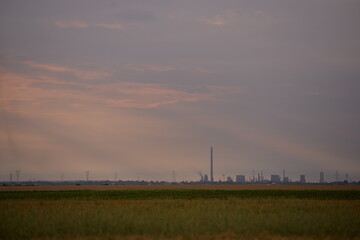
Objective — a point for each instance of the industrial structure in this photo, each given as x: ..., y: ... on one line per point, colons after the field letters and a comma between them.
x: 302, y: 178
x: 321, y: 177
x: 211, y: 165
x: 283, y: 176
x: 240, y: 179
x: 206, y: 178
x: 275, y: 178
x: 255, y: 177
x: 229, y: 179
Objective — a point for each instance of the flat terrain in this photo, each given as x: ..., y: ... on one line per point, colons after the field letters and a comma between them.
x: 180, y: 214
x: 159, y: 187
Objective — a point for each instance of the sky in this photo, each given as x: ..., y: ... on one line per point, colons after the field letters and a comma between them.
x: 142, y: 88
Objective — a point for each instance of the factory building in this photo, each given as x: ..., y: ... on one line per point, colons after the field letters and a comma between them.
x: 240, y: 178
x: 206, y: 178
x: 286, y: 180
x: 275, y: 178
x: 302, y: 178
x: 322, y: 177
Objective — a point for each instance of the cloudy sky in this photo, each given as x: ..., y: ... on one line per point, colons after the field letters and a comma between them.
x: 142, y: 88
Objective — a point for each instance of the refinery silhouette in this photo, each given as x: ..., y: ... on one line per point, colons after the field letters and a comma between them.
x: 254, y: 178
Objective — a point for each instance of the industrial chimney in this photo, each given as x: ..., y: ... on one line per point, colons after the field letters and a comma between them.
x: 211, y: 165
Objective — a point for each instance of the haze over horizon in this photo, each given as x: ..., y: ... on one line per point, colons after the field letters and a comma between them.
x: 143, y: 88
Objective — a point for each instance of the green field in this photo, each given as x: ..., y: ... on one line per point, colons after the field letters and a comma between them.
x: 180, y: 214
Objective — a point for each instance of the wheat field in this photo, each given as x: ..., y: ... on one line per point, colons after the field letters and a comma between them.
x: 180, y: 214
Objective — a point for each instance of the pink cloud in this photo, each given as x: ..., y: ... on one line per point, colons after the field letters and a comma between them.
x: 71, y: 24
x: 110, y: 26
x: 218, y: 21
x: 204, y: 71
x: 222, y: 19
x: 25, y: 93
x: 82, y: 74
x: 80, y: 24
x: 142, y: 95
x: 149, y: 67
x: 130, y: 103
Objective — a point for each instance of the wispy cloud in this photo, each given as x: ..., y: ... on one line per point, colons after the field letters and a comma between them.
x: 71, y: 24
x: 235, y: 16
x: 218, y: 21
x: 130, y: 103
x: 27, y: 91
x: 222, y: 19
x: 81, y: 24
x: 327, y: 94
x: 82, y: 74
x: 143, y: 95
x: 110, y: 26
x: 149, y: 67
x: 204, y: 71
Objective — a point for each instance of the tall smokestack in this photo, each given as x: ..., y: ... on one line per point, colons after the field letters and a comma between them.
x: 211, y: 165
x: 284, y: 176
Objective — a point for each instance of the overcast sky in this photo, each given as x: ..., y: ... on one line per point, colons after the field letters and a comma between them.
x: 143, y: 88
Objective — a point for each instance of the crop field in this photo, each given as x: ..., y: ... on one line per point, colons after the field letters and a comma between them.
x: 180, y: 214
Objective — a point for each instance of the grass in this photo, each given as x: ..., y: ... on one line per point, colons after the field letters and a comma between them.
x: 182, y: 194
x: 179, y: 214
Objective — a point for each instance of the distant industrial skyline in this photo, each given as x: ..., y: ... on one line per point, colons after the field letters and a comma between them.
x: 203, y: 177
x: 254, y: 177
x: 239, y: 178
x: 144, y: 88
